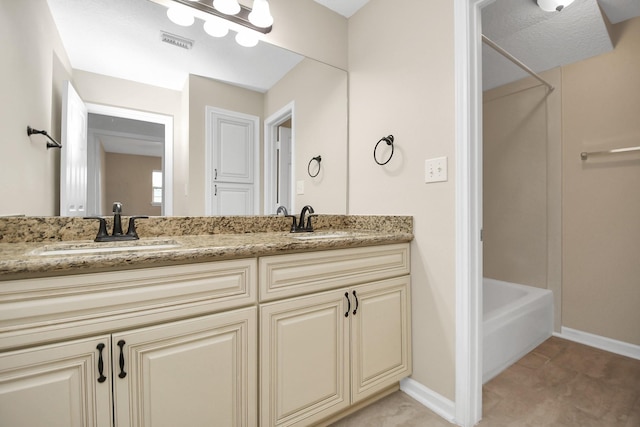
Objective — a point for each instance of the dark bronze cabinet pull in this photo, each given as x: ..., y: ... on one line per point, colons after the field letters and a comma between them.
x: 122, y: 373
x: 356, y: 297
x: 346, y: 295
x: 101, y: 378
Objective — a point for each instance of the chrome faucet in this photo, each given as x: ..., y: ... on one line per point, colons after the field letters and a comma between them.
x: 116, y: 234
x: 282, y: 210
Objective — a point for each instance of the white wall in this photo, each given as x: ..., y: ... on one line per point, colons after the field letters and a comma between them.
x: 32, y: 54
x: 401, y: 82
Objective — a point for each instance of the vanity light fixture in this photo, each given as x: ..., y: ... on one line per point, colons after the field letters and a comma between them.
x: 180, y: 16
x: 223, y: 15
x: 260, y: 16
x: 553, y: 5
x: 247, y: 38
x: 216, y: 27
x: 228, y: 7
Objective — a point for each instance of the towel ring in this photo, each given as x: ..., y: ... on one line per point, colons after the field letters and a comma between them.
x: 317, y: 159
x: 389, y: 141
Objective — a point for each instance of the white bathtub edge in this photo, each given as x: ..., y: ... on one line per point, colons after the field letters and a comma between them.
x: 429, y: 398
x: 603, y: 343
x: 494, y: 372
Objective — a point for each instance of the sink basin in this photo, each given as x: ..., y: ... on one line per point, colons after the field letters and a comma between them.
x: 93, y: 248
x: 324, y: 235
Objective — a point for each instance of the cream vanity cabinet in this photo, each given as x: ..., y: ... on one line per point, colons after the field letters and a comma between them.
x: 335, y: 328
x: 166, y: 362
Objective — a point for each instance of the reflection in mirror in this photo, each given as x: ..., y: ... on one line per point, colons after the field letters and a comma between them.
x: 126, y: 157
x: 134, y: 70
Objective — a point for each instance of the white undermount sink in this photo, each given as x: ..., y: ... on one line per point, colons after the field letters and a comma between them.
x: 324, y: 235
x: 95, y: 248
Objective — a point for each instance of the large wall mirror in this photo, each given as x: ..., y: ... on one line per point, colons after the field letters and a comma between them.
x: 244, y: 122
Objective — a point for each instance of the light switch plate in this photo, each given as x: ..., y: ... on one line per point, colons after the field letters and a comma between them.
x: 435, y: 170
x: 299, y: 187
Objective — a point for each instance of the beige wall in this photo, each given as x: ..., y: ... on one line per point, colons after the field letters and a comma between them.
x: 32, y: 55
x: 105, y: 90
x: 320, y: 95
x: 128, y: 180
x: 401, y: 82
x: 205, y: 92
x: 601, y: 206
x: 306, y: 27
x: 595, y: 107
x: 522, y: 209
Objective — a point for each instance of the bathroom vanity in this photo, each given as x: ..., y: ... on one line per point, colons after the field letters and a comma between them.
x: 268, y: 329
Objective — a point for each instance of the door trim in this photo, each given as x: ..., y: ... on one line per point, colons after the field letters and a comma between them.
x: 468, y: 212
x: 270, y: 139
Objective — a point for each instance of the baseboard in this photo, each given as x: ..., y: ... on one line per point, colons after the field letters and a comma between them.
x: 597, y: 341
x: 429, y: 398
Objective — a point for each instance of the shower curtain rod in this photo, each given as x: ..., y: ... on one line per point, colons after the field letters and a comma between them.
x: 515, y: 61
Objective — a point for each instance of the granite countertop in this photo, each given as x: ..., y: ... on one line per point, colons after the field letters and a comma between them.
x: 49, y: 258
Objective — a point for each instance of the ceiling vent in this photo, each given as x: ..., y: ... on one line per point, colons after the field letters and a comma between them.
x: 176, y: 40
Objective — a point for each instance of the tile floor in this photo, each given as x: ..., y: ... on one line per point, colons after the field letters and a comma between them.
x: 560, y: 383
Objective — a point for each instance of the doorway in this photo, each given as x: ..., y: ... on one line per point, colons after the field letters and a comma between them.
x: 82, y: 174
x: 279, y: 170
x: 125, y: 164
x: 468, y: 176
x: 134, y: 133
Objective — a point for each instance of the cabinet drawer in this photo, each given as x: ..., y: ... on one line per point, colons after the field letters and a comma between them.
x: 46, y: 309
x: 289, y: 275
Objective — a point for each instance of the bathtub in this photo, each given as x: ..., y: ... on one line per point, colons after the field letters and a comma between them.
x: 516, y: 319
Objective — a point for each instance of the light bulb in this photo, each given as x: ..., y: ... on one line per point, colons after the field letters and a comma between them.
x: 216, y: 28
x: 247, y: 38
x: 228, y: 7
x: 179, y: 16
x: 260, y: 16
x: 553, y: 5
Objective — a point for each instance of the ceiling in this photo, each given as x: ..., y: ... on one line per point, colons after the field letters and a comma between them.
x: 120, y: 38
x: 541, y: 40
x: 545, y: 40
x: 345, y: 8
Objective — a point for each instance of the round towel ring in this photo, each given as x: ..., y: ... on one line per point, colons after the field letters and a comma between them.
x: 389, y: 141
x: 317, y: 159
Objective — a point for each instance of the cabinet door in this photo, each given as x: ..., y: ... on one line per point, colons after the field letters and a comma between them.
x: 380, y: 336
x: 56, y: 385
x: 304, y: 369
x: 196, y: 372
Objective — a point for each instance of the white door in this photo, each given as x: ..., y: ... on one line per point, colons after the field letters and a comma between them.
x: 73, y: 155
x: 284, y: 168
x: 232, y: 199
x: 231, y: 163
